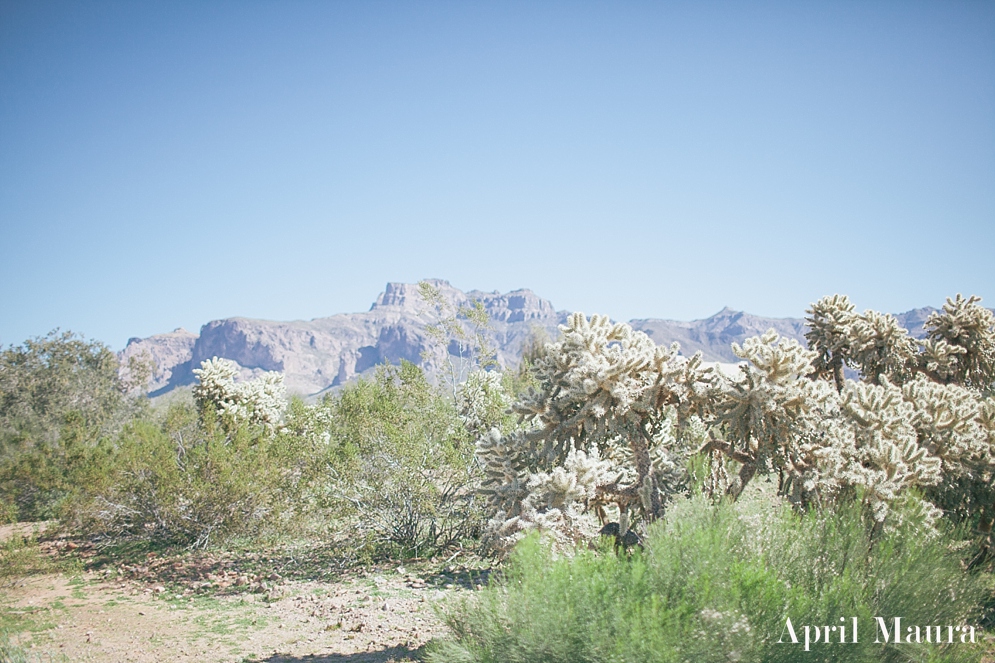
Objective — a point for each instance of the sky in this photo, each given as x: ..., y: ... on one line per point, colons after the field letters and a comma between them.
x: 164, y: 164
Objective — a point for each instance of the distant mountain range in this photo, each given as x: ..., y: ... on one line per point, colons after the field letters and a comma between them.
x: 323, y: 353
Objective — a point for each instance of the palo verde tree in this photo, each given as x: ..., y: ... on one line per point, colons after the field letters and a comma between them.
x: 58, y: 395
x: 460, y: 344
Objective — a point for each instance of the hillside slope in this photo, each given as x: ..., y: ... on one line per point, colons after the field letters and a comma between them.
x: 319, y: 354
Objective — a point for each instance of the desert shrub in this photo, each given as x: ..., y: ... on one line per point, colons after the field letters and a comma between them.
x: 175, y: 481
x: 59, y: 395
x: 8, y: 512
x: 717, y: 583
x: 400, y: 465
x: 45, y: 379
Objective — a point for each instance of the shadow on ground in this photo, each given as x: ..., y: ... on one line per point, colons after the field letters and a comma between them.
x: 388, y: 655
x: 218, y: 572
x: 465, y: 578
x: 239, y: 572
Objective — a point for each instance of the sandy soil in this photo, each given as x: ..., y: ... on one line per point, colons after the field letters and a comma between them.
x: 216, y: 607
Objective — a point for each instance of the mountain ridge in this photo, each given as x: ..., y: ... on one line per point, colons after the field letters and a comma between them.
x: 323, y: 353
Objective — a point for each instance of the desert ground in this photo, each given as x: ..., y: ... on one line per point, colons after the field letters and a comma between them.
x: 79, y: 604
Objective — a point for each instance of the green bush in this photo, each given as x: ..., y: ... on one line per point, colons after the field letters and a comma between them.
x: 59, y: 395
x: 400, y: 465
x: 177, y: 481
x: 717, y: 583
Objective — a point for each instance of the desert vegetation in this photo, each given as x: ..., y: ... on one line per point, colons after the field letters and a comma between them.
x: 629, y: 503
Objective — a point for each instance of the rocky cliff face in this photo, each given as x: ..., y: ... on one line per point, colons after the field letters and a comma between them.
x: 169, y: 354
x: 318, y: 354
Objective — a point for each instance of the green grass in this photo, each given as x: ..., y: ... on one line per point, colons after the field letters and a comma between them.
x: 31, y: 619
x: 77, y: 583
x: 716, y: 583
x: 21, y: 557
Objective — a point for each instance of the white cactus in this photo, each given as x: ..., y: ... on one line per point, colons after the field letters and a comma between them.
x: 258, y: 401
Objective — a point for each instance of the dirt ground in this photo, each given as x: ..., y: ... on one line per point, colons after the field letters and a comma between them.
x: 224, y: 607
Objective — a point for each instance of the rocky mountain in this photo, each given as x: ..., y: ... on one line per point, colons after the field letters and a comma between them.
x: 714, y: 336
x: 320, y: 354
x: 315, y: 355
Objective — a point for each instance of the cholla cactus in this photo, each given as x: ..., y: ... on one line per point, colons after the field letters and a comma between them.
x: 885, y: 457
x: 939, y: 359
x: 983, y: 481
x: 775, y: 418
x: 967, y: 330
x: 605, y: 386
x: 259, y: 401
x: 555, y: 503
x: 481, y: 401
x: 880, y: 347
x: 606, y: 392
x: 917, y: 424
x: 939, y: 441
x: 959, y: 428
x: 986, y: 420
x: 871, y: 342
x: 771, y: 417
x: 947, y: 421
x: 830, y: 331
x: 506, y: 466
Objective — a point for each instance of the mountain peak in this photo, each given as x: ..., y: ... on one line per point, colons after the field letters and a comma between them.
x: 325, y: 352
x: 407, y: 296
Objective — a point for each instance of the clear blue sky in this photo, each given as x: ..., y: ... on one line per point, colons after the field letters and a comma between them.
x: 163, y: 164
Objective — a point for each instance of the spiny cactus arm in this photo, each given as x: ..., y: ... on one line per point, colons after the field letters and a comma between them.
x: 641, y: 457
x: 948, y: 422
x: 965, y: 324
x: 830, y: 321
x: 880, y: 347
x: 939, y: 360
